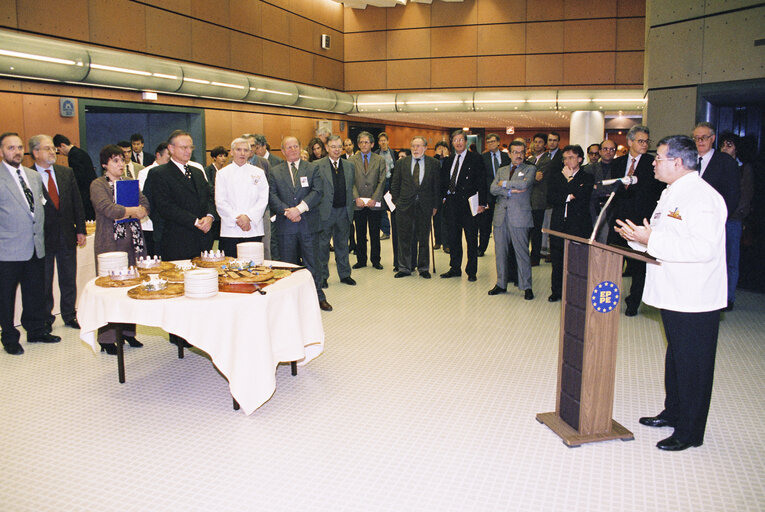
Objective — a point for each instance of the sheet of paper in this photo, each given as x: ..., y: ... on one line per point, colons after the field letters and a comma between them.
x: 389, y: 200
x: 473, y: 200
x: 367, y: 199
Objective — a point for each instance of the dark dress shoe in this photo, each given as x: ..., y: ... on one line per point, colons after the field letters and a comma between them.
x: 481, y: 253
x: 497, y: 290
x: 548, y: 259
x: 324, y: 284
x: 446, y: 250
x: 528, y: 294
x: 535, y: 263
x: 673, y: 444
x: 451, y: 273
x: 631, y: 311
x: 324, y: 305
x: 377, y: 266
x: 109, y: 348
x: 425, y: 274
x: 472, y: 279
x: 395, y: 268
x: 132, y: 341
x: 402, y: 274
x: 14, y: 349
x: 331, y: 249
x: 654, y: 421
x: 44, y: 338
x: 73, y: 323
x: 359, y: 265
x: 553, y: 298
x: 436, y: 247
x: 348, y: 280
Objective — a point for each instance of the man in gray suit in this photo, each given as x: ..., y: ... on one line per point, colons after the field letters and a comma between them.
x: 336, y: 209
x: 416, y: 193
x: 294, y: 190
x: 512, y: 219
x: 368, y: 190
x: 64, y: 228
x: 22, y: 247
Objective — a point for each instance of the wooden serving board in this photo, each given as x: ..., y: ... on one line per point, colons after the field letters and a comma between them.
x: 141, y: 293
x: 163, y: 265
x: 211, y: 264
x: 172, y: 276
x: 108, y: 282
x: 242, y: 276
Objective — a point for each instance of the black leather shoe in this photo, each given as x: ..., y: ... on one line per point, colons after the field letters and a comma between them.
x: 481, y: 253
x: 377, y: 266
x: 359, y: 265
x: 425, y: 274
x: 472, y: 279
x: 673, y: 444
x: 133, y: 342
x: 324, y: 305
x: 654, y: 421
x: 528, y: 294
x: 73, y: 323
x: 451, y: 273
x: 324, y: 284
x: 631, y: 311
x: 109, y: 348
x: 395, y: 268
x: 44, y: 338
x: 436, y: 247
x: 14, y: 349
x: 446, y: 250
x: 348, y: 280
x: 497, y: 290
x: 402, y: 274
x: 553, y: 298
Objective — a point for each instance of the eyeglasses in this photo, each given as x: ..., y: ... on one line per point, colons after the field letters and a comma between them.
x: 702, y: 138
x: 663, y: 159
x: 593, y: 153
x: 608, y: 150
x: 643, y: 141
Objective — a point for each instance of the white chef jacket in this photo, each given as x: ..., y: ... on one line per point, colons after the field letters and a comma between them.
x: 688, y: 238
x: 241, y: 190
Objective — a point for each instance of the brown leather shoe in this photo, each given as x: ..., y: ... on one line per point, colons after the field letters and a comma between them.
x: 324, y: 305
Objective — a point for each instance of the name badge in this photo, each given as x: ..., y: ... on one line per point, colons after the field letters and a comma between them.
x: 304, y: 181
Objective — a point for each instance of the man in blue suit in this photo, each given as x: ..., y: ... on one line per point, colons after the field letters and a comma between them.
x: 294, y: 190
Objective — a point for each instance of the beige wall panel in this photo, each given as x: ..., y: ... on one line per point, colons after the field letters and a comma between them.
x: 501, y: 71
x: 408, y: 44
x: 328, y: 73
x: 453, y: 41
x: 448, y: 13
x: 301, y: 66
x: 502, y: 39
x: 210, y: 44
x: 246, y: 53
x: 544, y: 37
x: 544, y: 69
x: 13, y: 116
x: 276, y: 60
x: 629, y: 68
x: 670, y: 112
x: 364, y: 76
x: 456, y: 72
x: 159, y: 27
x: 541, y: 10
x: 8, y: 13
x: 274, y: 23
x: 284, y: 4
x: 408, y: 74
x: 591, y: 35
x: 336, y: 49
x: 630, y: 34
x: 245, y: 122
x: 409, y: 16
x: 501, y: 11
x: 245, y: 15
x: 303, y: 128
x: 578, y: 68
x: 301, y: 33
x: 275, y: 127
x: 729, y: 52
x: 661, y: 11
x: 101, y: 24
x: 631, y: 8
x: 589, y: 9
x: 41, y: 116
x: 362, y: 20
x: 674, y: 59
x: 362, y: 46
x: 218, y: 129
x: 330, y: 13
x: 178, y: 6
x: 714, y: 6
x: 214, y: 11
x: 44, y: 17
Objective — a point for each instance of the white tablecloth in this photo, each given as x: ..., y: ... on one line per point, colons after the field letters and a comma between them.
x: 246, y: 335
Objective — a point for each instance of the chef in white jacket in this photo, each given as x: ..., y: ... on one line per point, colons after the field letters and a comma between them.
x: 686, y: 233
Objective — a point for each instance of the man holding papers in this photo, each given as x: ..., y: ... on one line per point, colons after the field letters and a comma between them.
x: 368, y: 190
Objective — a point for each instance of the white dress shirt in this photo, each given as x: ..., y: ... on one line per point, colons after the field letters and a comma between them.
x: 705, y: 161
x: 146, y: 223
x: 241, y: 190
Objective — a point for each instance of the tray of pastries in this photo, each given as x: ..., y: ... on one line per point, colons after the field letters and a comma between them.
x: 175, y: 274
x: 253, y: 274
x: 168, y: 291
x: 208, y: 263
x: 108, y: 282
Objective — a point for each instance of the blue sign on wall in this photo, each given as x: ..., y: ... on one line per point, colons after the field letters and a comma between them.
x: 605, y: 297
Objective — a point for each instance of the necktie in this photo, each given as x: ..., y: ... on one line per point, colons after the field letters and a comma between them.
x: 365, y: 161
x: 334, y: 166
x: 187, y: 171
x: 496, y: 163
x: 512, y: 171
x: 418, y: 169
x: 27, y: 192
x: 700, y: 162
x: 453, y: 180
x: 52, y: 190
x: 631, y: 170
x: 294, y: 173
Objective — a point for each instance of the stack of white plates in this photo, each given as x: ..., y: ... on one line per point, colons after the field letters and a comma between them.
x: 108, y: 261
x: 200, y: 283
x: 250, y: 251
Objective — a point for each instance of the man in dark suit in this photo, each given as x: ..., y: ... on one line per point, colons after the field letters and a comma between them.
x: 547, y: 159
x: 569, y: 194
x: 22, y: 247
x: 294, y: 190
x: 261, y: 157
x: 493, y: 159
x: 368, y: 190
x: 84, y: 172
x: 261, y: 149
x: 416, y: 193
x: 336, y: 209
x: 64, y: 228
x: 635, y: 202
x: 462, y: 176
x: 138, y: 155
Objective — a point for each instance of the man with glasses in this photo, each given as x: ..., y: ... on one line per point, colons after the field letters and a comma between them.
x: 593, y: 155
x: 603, y: 170
x: 635, y: 202
x: 493, y: 159
x: 368, y: 190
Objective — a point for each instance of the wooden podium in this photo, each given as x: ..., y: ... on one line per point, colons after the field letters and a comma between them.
x: 589, y: 322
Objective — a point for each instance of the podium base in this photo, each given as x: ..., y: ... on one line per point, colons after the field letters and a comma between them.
x: 573, y: 438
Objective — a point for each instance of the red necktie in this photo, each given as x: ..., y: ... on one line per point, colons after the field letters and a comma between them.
x: 512, y: 171
x: 52, y: 190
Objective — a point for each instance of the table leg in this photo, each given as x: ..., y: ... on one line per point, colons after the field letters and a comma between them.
x: 293, y: 365
x: 180, y: 351
x: 120, y: 341
x: 236, y: 404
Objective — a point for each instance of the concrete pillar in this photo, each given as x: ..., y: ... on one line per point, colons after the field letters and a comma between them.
x: 587, y: 127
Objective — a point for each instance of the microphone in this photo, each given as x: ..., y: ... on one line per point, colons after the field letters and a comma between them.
x: 627, y: 180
